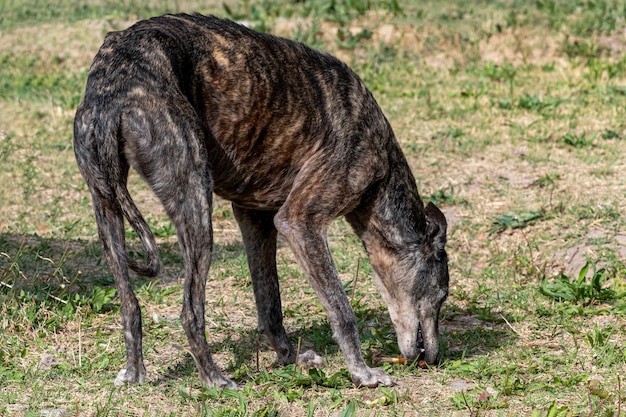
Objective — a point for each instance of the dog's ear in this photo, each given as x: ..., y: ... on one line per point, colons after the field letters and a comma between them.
x: 436, y: 229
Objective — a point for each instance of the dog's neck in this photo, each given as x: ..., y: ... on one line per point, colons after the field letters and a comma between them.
x: 392, y: 219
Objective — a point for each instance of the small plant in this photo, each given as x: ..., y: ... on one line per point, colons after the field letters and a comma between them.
x: 581, y: 290
x: 446, y: 196
x: 548, y: 181
x: 538, y: 104
x: 515, y: 220
x: 101, y: 299
x: 528, y: 102
x: 292, y: 377
x: 478, y: 402
x: 611, y: 134
x: 449, y: 133
x: 554, y: 411
x: 500, y: 73
x: 578, y: 141
x: 347, y: 40
x: 581, y: 48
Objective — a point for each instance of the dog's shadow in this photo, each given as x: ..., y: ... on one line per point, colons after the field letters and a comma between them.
x: 36, y: 264
x: 57, y: 269
x: 463, y: 336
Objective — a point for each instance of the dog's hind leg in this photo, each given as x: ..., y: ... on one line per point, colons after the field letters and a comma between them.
x: 110, y: 223
x: 259, y: 238
x: 166, y: 146
x: 111, y: 230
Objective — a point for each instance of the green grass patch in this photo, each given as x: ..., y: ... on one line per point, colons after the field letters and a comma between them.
x: 30, y: 78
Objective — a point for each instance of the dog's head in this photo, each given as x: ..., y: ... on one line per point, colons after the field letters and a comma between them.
x: 415, y: 285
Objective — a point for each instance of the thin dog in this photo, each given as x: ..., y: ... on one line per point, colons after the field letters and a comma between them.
x: 293, y: 138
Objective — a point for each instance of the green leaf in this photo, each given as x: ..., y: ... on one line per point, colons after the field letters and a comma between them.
x: 559, y: 290
x: 582, y: 274
x: 350, y: 410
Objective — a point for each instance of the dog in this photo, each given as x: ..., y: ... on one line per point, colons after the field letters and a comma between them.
x: 292, y: 137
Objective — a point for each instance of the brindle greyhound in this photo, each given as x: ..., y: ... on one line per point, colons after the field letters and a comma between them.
x: 293, y: 138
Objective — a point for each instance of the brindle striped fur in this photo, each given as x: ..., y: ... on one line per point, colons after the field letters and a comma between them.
x: 294, y: 139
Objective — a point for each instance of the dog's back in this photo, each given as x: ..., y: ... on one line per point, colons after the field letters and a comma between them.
x: 266, y: 104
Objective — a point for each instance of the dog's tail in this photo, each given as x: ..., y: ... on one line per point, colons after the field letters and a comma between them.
x: 102, y: 166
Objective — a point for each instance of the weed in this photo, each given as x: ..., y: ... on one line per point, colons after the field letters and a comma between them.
x: 505, y: 73
x: 582, y: 290
x: 446, y: 196
x: 515, y: 220
x: 538, y: 104
x: 101, y: 299
x: 553, y: 411
x: 579, y: 140
x: 548, y: 180
x: 611, y: 134
x: 347, y: 40
x: 581, y: 48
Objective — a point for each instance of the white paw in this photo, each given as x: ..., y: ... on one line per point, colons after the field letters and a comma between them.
x: 311, y: 359
x: 372, y: 377
x: 219, y: 381
x: 227, y: 383
x: 121, y: 378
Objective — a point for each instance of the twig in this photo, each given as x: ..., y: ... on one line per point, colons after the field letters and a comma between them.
x: 530, y: 252
x: 511, y: 327
x: 54, y: 297
x: 467, y: 404
x: 593, y: 410
x: 295, y: 365
x: 619, y: 396
x: 80, y: 344
x: 257, y: 352
x: 356, y: 278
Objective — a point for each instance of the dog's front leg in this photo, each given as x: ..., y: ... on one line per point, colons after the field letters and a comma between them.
x: 307, y: 238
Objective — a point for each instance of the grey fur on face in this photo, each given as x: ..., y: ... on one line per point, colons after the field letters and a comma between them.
x: 293, y: 138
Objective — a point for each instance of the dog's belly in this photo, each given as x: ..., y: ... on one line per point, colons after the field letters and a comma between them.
x: 267, y: 195
x: 255, y: 161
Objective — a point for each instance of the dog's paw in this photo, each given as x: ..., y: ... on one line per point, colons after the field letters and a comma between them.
x: 311, y: 359
x: 372, y: 377
x: 226, y: 383
x: 219, y: 381
x: 125, y: 377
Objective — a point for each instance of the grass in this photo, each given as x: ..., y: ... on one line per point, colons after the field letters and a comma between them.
x: 512, y: 116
